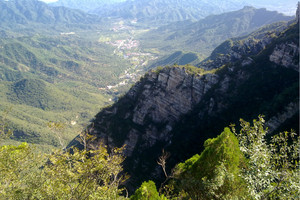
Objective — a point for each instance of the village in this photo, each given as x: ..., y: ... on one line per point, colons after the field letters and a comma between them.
x: 129, y: 49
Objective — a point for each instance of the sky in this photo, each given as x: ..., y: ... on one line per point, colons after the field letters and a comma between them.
x: 48, y: 1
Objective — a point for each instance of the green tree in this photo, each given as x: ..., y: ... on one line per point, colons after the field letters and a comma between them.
x: 215, y: 173
x: 147, y: 191
x: 20, y: 174
x: 272, y: 170
x: 93, y: 174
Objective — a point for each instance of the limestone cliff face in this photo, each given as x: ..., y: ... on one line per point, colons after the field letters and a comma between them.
x: 160, y: 99
x: 276, y: 121
x: 177, y: 108
x: 284, y: 55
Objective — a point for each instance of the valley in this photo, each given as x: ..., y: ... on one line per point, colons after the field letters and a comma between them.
x: 123, y: 39
x: 149, y: 99
x: 91, y: 62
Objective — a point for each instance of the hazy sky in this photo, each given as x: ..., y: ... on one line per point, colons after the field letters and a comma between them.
x: 48, y: 1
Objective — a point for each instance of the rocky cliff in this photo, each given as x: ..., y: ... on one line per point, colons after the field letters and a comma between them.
x: 235, y: 49
x: 153, y: 106
x: 177, y: 108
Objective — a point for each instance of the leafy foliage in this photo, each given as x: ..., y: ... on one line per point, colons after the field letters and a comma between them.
x: 245, y: 166
x: 230, y: 167
x: 83, y: 174
x: 147, y: 191
x: 214, y: 174
x: 272, y: 168
x: 20, y: 176
x: 72, y: 174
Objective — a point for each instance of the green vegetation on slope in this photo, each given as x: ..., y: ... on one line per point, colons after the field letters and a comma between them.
x: 206, y: 34
x: 24, y: 12
x: 55, y: 78
x: 179, y: 57
x: 234, y: 165
x: 61, y: 175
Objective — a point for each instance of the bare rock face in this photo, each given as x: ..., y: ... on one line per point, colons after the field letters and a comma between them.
x: 173, y: 94
x: 160, y: 99
x: 290, y: 110
x: 235, y: 50
x: 284, y: 55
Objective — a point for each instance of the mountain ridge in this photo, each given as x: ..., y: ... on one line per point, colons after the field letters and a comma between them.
x: 177, y: 108
x: 206, y: 34
x: 24, y: 12
x: 85, y: 5
x: 165, y: 11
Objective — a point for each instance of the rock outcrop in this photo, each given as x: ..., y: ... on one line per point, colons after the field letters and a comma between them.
x: 177, y: 108
x: 161, y: 98
x: 284, y: 54
x: 236, y: 49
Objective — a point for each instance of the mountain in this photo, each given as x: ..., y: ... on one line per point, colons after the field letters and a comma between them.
x: 59, y: 78
x: 165, y: 11
x: 234, y: 49
x: 84, y: 5
x: 287, y: 7
x: 206, y: 34
x: 177, y: 108
x: 179, y: 57
x: 28, y: 11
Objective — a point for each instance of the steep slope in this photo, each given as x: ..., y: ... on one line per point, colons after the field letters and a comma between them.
x: 177, y: 108
x: 234, y: 49
x: 206, y: 34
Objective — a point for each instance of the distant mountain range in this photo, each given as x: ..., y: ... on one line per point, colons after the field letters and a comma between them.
x: 206, y: 34
x: 34, y: 11
x: 85, y: 5
x: 287, y: 7
x: 166, y: 11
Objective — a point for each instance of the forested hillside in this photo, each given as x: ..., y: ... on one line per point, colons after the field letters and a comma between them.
x: 53, y: 69
x: 206, y: 34
x: 26, y: 11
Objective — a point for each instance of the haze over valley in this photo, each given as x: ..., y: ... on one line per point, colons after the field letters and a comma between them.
x: 157, y: 77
